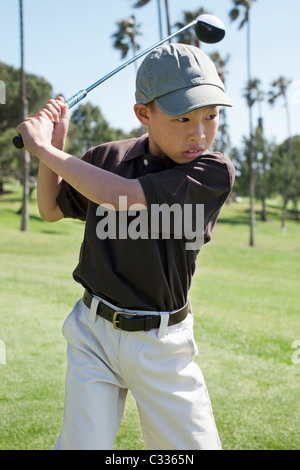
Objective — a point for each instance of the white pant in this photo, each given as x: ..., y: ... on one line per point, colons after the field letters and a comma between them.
x: 103, y: 363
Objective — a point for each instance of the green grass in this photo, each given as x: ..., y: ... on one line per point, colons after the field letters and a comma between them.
x: 246, y: 307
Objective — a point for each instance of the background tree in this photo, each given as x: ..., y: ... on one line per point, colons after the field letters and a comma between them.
x: 237, y: 155
x: 264, y: 152
x: 38, y: 91
x: 262, y: 166
x: 279, y: 89
x: 9, y: 158
x: 252, y: 95
x: 125, y: 37
x: 261, y: 151
x: 89, y: 128
x: 141, y: 3
x: 245, y: 6
x: 222, y: 141
x: 292, y: 191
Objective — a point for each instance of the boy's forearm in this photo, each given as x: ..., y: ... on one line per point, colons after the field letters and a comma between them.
x: 48, y: 188
x: 41, y: 139
x: 96, y: 184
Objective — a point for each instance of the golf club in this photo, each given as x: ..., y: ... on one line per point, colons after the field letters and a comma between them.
x: 208, y: 29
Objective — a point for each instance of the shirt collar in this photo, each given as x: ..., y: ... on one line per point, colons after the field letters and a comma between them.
x: 140, y: 148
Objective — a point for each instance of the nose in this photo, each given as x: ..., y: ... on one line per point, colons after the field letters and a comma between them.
x: 197, y: 134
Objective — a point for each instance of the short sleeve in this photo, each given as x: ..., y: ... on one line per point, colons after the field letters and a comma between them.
x: 206, y: 181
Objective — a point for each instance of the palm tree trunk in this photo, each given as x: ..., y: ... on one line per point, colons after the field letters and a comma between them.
x: 250, y: 160
x: 26, y: 156
x: 168, y: 18
x: 159, y: 20
x: 134, y: 51
x: 287, y: 169
x: 264, y: 216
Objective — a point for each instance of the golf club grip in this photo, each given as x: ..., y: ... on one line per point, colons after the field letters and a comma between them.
x: 18, y: 141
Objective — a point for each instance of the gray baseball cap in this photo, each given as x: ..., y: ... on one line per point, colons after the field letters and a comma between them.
x: 179, y: 78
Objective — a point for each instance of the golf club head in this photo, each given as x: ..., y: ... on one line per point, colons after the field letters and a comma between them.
x: 209, y: 29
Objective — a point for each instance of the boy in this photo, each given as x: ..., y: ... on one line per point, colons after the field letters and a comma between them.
x: 133, y: 328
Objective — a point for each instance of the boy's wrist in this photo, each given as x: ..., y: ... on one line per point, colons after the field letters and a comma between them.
x: 58, y: 144
x: 44, y: 150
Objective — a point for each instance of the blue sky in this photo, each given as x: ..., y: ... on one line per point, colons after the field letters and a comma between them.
x: 69, y: 43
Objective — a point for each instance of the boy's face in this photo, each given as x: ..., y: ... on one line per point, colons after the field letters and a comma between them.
x: 181, y: 138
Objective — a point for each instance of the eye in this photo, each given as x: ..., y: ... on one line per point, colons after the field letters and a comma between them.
x: 184, y: 119
x: 211, y: 117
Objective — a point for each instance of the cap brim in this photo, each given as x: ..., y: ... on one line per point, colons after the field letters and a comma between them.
x: 185, y: 100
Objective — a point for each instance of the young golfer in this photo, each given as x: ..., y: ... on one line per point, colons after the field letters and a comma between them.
x: 133, y: 328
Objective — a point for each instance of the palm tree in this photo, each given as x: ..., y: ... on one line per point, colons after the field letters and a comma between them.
x: 234, y: 15
x: 224, y: 140
x: 141, y: 3
x: 254, y: 94
x: 280, y: 87
x: 188, y: 36
x: 125, y: 37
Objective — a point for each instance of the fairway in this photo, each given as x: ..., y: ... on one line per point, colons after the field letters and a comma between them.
x: 246, y: 307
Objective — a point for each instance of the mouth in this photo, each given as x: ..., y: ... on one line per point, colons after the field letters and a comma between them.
x: 194, y: 152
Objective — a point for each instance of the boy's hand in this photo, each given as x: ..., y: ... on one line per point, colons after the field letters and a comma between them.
x: 61, y: 123
x: 48, y: 127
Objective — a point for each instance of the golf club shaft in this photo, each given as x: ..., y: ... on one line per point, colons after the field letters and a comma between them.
x: 80, y: 95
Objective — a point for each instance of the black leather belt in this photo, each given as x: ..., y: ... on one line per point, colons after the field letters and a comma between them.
x: 134, y: 321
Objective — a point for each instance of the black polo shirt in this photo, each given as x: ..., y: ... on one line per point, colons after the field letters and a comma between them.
x: 147, y: 268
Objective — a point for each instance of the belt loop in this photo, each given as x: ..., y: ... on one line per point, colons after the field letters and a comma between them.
x: 190, y: 307
x: 164, y: 320
x: 93, y: 310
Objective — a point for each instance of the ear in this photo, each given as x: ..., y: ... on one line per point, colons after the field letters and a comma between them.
x: 142, y: 112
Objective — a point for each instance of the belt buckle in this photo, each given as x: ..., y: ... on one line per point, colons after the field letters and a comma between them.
x: 115, y: 321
